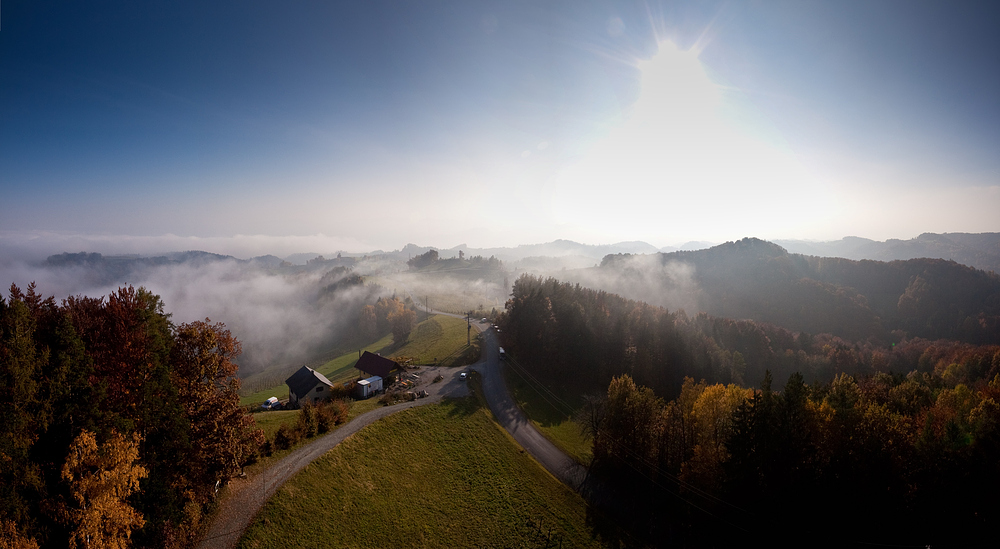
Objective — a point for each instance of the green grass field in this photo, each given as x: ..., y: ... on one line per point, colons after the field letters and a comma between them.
x: 438, y: 337
x: 442, y: 475
x: 550, y: 416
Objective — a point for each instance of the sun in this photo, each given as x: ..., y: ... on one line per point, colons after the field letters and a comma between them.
x: 678, y: 165
x: 676, y: 91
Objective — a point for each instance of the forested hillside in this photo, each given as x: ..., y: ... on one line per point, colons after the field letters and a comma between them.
x: 893, y: 441
x: 117, y: 423
x: 856, y: 300
x: 581, y: 338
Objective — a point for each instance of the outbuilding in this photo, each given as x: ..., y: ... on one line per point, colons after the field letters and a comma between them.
x: 369, y: 387
x: 307, y: 385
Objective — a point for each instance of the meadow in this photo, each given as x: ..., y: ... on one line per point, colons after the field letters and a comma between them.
x: 443, y: 475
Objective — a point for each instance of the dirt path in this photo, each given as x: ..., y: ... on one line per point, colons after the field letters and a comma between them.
x: 245, y: 497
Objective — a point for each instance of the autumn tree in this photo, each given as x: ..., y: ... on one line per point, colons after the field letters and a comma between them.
x: 205, y: 377
x: 402, y: 321
x: 629, y: 428
x: 11, y: 538
x: 712, y: 413
x: 101, y: 477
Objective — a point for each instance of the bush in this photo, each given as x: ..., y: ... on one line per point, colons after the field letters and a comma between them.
x: 286, y: 437
x: 339, y: 409
x: 342, y: 392
x: 331, y: 413
x: 308, y: 425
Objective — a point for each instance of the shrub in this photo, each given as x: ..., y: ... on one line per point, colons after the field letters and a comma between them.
x: 339, y: 409
x: 308, y: 424
x: 286, y: 437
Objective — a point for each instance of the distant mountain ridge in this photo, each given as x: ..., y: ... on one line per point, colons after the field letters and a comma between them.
x: 978, y: 250
x: 102, y: 270
x: 556, y: 248
x: 981, y: 250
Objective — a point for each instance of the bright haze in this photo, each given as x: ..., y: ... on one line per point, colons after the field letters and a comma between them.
x: 271, y: 127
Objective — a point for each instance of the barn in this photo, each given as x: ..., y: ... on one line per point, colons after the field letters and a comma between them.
x: 372, y: 364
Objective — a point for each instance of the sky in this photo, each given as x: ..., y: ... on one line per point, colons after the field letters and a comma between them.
x: 261, y: 127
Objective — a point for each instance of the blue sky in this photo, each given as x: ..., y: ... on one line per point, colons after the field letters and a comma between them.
x: 336, y: 125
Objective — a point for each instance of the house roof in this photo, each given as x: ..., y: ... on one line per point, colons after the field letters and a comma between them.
x: 375, y: 365
x: 302, y: 381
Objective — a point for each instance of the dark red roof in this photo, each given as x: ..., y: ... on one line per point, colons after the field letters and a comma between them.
x: 374, y: 365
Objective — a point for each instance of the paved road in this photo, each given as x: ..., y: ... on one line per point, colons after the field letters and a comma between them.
x: 245, y: 497
x: 516, y: 423
x: 513, y: 419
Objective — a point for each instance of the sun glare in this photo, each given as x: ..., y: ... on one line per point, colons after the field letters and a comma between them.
x: 676, y: 90
x: 677, y: 166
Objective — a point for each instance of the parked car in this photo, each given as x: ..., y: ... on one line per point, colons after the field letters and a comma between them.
x: 271, y: 404
x: 462, y: 375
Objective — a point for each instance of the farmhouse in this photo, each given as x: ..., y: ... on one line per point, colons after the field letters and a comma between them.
x: 375, y: 365
x: 307, y: 385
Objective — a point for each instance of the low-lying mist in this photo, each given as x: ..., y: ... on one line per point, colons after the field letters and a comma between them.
x: 642, y: 278
x: 280, y: 317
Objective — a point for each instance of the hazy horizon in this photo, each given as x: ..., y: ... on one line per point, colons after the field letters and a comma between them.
x: 37, y: 246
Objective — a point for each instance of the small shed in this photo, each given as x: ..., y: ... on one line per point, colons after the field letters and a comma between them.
x: 307, y: 385
x: 369, y: 387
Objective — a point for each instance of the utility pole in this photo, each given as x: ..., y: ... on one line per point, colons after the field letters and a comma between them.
x: 468, y: 327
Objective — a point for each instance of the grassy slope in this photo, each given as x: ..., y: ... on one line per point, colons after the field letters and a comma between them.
x: 552, y: 418
x: 437, y: 337
x: 441, y: 475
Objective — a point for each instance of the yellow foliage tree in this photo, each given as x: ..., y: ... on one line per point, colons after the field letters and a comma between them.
x: 101, y: 478
x: 712, y: 413
x: 11, y: 538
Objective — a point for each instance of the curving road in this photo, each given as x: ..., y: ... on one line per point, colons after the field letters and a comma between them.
x: 516, y: 423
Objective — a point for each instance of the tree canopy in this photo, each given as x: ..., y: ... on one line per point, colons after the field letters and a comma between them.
x: 120, y: 423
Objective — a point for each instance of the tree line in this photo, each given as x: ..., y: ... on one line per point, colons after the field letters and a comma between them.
x: 119, y: 426
x: 579, y: 338
x: 865, y: 443
x: 882, y: 459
